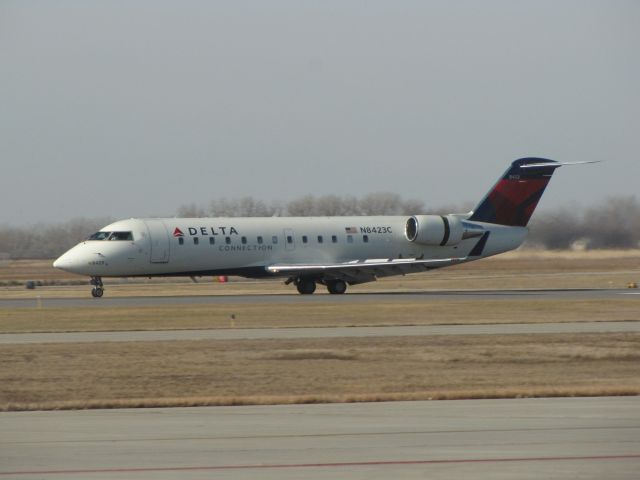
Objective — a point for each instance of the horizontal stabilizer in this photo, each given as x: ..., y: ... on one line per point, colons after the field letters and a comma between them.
x: 557, y: 164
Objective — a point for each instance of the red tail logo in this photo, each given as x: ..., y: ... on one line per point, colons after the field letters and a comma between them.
x: 515, y: 196
x: 178, y: 233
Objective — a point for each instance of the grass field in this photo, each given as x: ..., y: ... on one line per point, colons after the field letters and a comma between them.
x: 267, y: 315
x: 93, y: 375
x: 316, y: 370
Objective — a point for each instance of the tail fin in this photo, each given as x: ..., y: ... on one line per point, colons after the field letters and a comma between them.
x: 515, y: 196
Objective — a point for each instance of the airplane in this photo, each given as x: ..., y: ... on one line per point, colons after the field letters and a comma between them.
x: 307, y: 251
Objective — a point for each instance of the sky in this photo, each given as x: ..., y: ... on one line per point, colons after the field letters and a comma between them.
x: 135, y: 108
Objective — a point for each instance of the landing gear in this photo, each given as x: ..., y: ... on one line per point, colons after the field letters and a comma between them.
x: 97, y: 291
x: 337, y: 287
x: 306, y: 286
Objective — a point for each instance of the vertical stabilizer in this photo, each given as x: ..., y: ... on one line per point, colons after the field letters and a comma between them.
x: 515, y: 196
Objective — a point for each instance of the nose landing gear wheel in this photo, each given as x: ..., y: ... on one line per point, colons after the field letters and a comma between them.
x: 306, y: 286
x: 97, y: 291
x: 337, y: 287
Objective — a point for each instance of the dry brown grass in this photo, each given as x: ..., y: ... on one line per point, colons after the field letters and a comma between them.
x: 366, y: 313
x: 316, y: 370
x: 221, y: 401
x: 20, y: 270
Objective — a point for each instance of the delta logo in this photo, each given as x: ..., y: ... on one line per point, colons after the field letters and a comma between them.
x: 193, y: 231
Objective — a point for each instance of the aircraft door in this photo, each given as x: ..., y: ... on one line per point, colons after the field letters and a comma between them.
x: 159, y: 238
x: 289, y: 240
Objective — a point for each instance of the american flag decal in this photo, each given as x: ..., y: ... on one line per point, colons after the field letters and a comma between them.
x: 351, y: 230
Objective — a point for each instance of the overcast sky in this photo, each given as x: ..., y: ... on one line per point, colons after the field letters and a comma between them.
x: 133, y: 108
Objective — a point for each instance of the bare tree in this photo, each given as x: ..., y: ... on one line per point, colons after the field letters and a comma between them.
x: 191, y: 211
x: 613, y: 224
x: 556, y: 229
x: 47, y: 241
x: 335, y: 206
x: 616, y: 223
x: 241, y: 207
x: 381, y: 203
x: 303, y: 207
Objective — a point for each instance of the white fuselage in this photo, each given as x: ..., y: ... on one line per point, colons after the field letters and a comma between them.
x: 310, y: 251
x: 248, y: 246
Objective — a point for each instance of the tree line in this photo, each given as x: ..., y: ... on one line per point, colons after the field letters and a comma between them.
x: 613, y: 224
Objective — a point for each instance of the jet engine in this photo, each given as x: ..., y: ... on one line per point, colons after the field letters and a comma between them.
x: 436, y: 230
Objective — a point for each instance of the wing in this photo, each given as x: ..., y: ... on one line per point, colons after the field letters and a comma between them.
x: 361, y: 271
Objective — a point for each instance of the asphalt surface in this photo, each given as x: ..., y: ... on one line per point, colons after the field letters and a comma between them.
x: 352, y: 297
x: 558, y: 438
x: 322, y: 332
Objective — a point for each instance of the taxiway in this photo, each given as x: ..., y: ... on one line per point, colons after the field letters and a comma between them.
x: 320, y: 332
x: 587, y: 438
x: 288, y: 298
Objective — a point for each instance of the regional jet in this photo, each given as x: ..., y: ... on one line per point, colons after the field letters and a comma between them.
x: 310, y: 251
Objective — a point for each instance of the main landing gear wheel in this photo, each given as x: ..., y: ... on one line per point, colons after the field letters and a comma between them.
x: 337, y: 287
x: 97, y: 291
x: 306, y: 286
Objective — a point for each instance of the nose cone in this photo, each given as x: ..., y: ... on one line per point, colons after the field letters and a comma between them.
x: 65, y: 262
x: 74, y: 261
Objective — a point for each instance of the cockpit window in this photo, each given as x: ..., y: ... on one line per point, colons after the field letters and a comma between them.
x: 121, y: 236
x: 112, y: 236
x: 99, y: 236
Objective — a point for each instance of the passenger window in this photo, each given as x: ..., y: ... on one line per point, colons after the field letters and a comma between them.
x: 227, y: 240
x: 349, y: 238
x: 274, y: 239
x: 319, y: 238
x: 365, y: 238
x: 289, y: 239
x: 196, y: 240
x: 180, y: 240
x: 304, y: 239
x: 259, y: 240
x: 212, y: 240
x: 334, y: 239
x: 244, y: 240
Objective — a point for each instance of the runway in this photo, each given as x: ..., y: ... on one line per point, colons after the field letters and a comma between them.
x: 587, y: 438
x: 320, y: 332
x: 352, y: 297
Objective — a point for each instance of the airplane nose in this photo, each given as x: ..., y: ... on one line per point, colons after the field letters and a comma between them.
x: 69, y: 262
x: 81, y: 260
x: 62, y: 262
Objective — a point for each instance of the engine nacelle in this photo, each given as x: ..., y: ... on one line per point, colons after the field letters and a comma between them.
x: 434, y: 230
